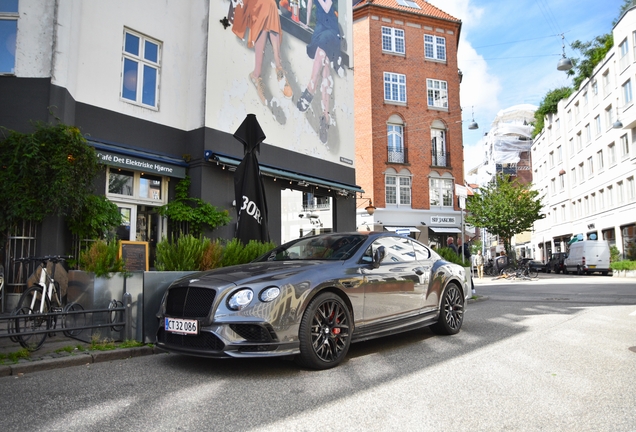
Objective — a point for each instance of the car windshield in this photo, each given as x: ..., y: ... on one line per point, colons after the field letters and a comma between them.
x: 323, y: 247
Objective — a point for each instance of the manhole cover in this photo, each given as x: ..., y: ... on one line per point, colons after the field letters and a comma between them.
x: 632, y: 349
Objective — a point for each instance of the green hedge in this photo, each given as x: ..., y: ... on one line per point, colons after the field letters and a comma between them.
x: 623, y: 265
x: 449, y: 255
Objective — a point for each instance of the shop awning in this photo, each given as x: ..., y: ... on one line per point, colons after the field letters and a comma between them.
x: 278, y: 173
x: 395, y: 229
x: 447, y: 230
x: 134, y: 159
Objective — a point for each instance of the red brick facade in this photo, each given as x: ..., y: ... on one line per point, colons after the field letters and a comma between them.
x: 372, y: 112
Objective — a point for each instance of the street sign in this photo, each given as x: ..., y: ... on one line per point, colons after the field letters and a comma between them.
x: 403, y: 231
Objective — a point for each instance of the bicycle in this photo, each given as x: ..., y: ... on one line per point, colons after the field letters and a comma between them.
x: 41, y: 304
x: 522, y: 270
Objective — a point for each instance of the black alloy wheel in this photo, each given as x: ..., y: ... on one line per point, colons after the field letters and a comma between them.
x: 451, y: 313
x: 325, y: 332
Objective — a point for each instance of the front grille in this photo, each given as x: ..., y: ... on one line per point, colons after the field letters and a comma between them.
x: 253, y: 333
x: 257, y: 348
x: 203, y: 340
x: 189, y: 302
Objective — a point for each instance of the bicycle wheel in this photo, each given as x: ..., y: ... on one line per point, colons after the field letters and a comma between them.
x: 25, y: 324
x: 116, y: 316
x: 73, y: 320
x: 533, y: 273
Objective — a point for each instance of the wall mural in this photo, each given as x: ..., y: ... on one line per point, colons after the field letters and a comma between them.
x: 288, y: 62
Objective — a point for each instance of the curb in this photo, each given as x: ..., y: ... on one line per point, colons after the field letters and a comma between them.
x: 75, y: 360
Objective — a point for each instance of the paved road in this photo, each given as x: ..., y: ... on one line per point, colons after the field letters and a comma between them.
x: 553, y: 354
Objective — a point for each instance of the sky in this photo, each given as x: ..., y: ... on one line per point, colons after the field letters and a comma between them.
x: 508, y: 53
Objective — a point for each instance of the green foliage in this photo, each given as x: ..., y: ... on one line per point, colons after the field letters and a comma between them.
x: 623, y: 265
x: 47, y: 172
x: 193, y: 211
x: 593, y: 52
x: 476, y: 246
x: 615, y: 254
x: 97, y: 217
x: 102, y: 258
x: 236, y: 253
x: 549, y: 106
x: 505, y: 208
x: 449, y: 255
x: 184, y: 254
x: 212, y: 256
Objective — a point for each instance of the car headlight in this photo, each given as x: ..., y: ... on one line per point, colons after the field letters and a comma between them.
x: 240, y: 299
x: 269, y: 294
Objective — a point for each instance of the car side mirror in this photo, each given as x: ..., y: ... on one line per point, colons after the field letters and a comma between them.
x: 378, y: 256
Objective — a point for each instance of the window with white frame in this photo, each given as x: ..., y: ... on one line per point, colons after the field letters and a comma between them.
x: 554, y: 215
x: 619, y: 192
x: 398, y: 188
x: 601, y: 198
x: 599, y: 160
x: 570, y: 119
x: 631, y: 192
x: 434, y: 47
x: 441, y: 192
x: 623, y: 61
x: 559, y: 154
x: 393, y: 40
x: 561, y: 182
x: 597, y: 123
x: 624, y: 146
x: 606, y: 83
x: 438, y: 147
x: 590, y: 167
x: 134, y: 185
x: 581, y: 173
x: 579, y: 141
x: 573, y: 176
x: 141, y: 66
x: 553, y: 186
x: 551, y: 159
x: 557, y: 127
x: 563, y: 212
x: 437, y: 93
x: 585, y: 103
x: 8, y: 35
x: 588, y: 133
x: 627, y: 92
x: 594, y: 92
x: 577, y: 112
x: 610, y: 196
x: 609, y: 117
x: 580, y: 207
x: 395, y: 142
x: 586, y: 205
x: 571, y: 142
x: 611, y: 154
x: 574, y: 210
x: 394, y: 87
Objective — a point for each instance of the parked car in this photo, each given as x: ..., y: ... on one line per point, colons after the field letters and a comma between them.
x: 312, y: 297
x: 588, y: 256
x: 557, y: 262
x: 538, y: 266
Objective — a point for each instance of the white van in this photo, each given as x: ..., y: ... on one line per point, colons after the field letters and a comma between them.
x: 588, y: 256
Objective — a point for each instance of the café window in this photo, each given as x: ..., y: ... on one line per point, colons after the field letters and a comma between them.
x: 136, y: 185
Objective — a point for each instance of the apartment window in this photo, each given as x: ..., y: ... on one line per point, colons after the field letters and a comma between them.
x: 611, y: 154
x: 601, y: 199
x: 571, y: 142
x: 609, y: 117
x: 551, y: 158
x: 619, y: 192
x: 437, y: 93
x: 579, y: 142
x: 599, y: 160
x: 631, y: 192
x: 395, y: 134
x: 593, y: 203
x: 581, y: 173
x: 563, y: 212
x: 579, y: 206
x: 597, y: 123
x: 559, y: 154
x: 577, y: 112
x: 586, y: 206
x: 594, y: 92
x: 141, y: 67
x: 624, y: 146
x: 398, y: 188
x: 585, y: 103
x: 573, y: 176
x: 561, y: 182
x: 574, y: 210
x: 606, y: 83
x: 394, y: 87
x: 627, y: 92
x: 434, y: 47
x: 588, y: 133
x: 441, y: 192
x: 610, y: 196
x: 557, y: 127
x: 8, y: 35
x: 393, y: 40
x: 438, y: 147
x: 569, y: 119
x: 554, y: 215
x: 553, y: 186
x: 624, y: 54
x: 590, y: 167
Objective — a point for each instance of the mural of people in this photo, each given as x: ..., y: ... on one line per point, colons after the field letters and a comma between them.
x: 324, y: 48
x: 263, y: 21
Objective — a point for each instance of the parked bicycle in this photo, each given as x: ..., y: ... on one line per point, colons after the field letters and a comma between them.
x: 521, y: 270
x: 41, y: 304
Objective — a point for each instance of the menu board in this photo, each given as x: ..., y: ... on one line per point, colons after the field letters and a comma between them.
x: 134, y: 254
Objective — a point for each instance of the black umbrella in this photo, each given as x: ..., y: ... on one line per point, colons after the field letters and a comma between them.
x: 249, y: 190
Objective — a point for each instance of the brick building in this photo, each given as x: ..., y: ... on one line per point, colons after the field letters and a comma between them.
x: 408, y: 131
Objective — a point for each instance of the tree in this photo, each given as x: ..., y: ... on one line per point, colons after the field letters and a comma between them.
x: 504, y: 208
x: 593, y: 52
x: 549, y: 105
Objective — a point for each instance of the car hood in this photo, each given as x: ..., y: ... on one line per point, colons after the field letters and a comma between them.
x: 259, y: 272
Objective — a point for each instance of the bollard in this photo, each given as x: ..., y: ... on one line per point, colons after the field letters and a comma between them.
x: 128, y: 316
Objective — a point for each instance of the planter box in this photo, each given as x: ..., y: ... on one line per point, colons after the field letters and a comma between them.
x: 624, y: 273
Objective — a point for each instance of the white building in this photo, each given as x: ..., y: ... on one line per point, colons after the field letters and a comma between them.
x: 584, y: 161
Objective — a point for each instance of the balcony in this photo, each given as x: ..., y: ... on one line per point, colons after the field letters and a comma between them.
x: 440, y: 158
x: 398, y: 155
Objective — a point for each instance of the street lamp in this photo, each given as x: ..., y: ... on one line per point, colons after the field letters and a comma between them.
x: 565, y: 64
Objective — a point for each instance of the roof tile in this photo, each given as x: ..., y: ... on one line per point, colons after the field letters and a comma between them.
x: 427, y: 9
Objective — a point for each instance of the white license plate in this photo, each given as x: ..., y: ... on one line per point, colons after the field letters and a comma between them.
x: 182, y: 326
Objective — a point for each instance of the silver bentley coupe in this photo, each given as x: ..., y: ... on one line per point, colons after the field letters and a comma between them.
x: 312, y: 297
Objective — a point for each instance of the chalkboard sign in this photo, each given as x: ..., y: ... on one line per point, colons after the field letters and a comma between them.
x: 135, y: 255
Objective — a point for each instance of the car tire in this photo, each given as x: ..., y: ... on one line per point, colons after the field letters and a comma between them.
x: 548, y: 270
x: 325, y: 332
x: 451, y: 314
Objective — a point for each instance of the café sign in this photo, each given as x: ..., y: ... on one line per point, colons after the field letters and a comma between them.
x: 450, y: 220
x: 132, y: 162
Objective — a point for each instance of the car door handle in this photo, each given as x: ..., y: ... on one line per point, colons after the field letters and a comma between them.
x: 419, y: 271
